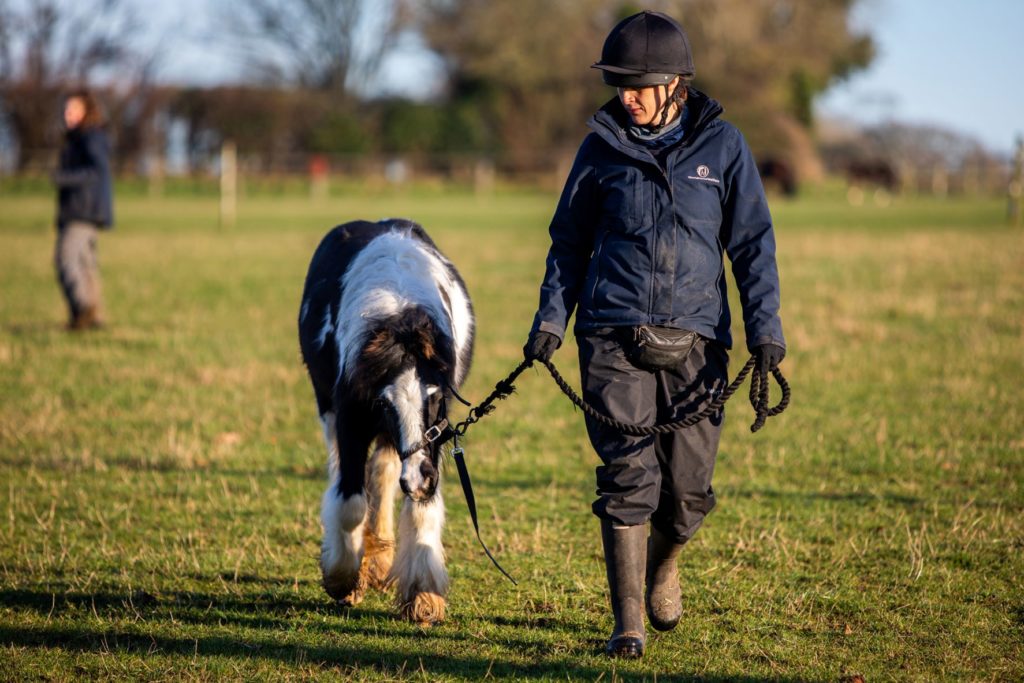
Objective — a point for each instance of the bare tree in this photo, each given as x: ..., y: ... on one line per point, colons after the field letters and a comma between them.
x: 331, y: 45
x: 48, y: 47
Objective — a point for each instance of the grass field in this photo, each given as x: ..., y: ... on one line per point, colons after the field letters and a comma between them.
x: 161, y: 478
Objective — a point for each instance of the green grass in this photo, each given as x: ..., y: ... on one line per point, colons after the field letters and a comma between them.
x: 160, y: 480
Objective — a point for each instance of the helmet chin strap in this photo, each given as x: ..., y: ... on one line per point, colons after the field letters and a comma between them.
x: 677, y: 97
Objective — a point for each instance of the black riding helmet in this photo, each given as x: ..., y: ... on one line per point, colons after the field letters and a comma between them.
x: 649, y: 48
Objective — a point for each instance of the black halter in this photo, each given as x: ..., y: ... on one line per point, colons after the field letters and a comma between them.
x: 441, y: 430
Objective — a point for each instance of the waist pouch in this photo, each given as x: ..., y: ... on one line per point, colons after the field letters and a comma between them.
x: 660, y: 348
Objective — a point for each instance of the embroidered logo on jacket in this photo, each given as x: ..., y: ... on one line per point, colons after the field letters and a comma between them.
x: 703, y: 173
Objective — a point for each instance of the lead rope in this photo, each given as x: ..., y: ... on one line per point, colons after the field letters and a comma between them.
x: 444, y: 431
x: 467, y: 489
x: 758, y: 400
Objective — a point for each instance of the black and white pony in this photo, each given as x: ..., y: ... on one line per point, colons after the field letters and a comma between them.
x: 386, y: 329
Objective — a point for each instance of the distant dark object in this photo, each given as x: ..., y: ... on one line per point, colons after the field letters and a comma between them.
x: 778, y: 174
x: 873, y: 173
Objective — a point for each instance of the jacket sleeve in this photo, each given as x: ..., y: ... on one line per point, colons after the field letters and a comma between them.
x: 95, y: 144
x: 749, y: 241
x: 571, y: 245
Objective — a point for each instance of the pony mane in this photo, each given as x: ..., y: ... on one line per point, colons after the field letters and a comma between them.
x: 411, y: 337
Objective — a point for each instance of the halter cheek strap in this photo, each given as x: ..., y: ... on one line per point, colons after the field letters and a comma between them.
x: 440, y: 432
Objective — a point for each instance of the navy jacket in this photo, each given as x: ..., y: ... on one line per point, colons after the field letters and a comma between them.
x: 83, y: 179
x: 633, y: 244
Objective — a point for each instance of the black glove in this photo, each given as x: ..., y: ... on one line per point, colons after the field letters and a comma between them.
x: 768, y: 357
x: 541, y: 346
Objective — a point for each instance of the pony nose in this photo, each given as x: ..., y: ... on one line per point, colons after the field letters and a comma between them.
x: 429, y: 474
x: 419, y: 480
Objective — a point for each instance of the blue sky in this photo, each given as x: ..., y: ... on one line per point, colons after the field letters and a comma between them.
x: 955, y: 63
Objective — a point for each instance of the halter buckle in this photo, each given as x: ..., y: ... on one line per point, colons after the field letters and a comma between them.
x: 435, y: 432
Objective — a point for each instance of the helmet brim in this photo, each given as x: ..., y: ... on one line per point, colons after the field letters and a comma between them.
x: 619, y: 77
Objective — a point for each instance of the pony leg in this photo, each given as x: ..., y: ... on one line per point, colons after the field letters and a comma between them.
x: 343, y: 518
x: 419, y: 570
x: 381, y: 487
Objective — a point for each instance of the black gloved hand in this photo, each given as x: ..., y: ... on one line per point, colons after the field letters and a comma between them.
x: 541, y: 346
x: 768, y: 357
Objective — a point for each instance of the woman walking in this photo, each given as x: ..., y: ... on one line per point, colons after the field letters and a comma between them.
x: 84, y: 207
x: 660, y: 190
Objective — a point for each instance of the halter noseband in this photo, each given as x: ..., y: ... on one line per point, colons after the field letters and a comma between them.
x: 441, y: 430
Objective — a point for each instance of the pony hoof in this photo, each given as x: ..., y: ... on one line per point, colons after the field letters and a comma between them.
x: 425, y: 609
x: 347, y: 591
x: 352, y: 599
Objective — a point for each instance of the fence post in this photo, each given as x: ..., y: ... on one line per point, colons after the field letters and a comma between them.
x: 483, y: 176
x: 156, y: 176
x: 228, y: 183
x: 1016, y: 188
x: 908, y: 179
x: 319, y: 170
x: 970, y: 173
x: 940, y: 180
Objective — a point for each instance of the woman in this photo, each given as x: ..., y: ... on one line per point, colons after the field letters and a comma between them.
x: 83, y: 208
x: 659, y: 189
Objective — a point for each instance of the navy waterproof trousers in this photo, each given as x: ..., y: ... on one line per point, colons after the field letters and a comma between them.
x: 664, y: 479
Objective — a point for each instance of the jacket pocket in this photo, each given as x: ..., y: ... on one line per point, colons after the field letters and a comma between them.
x: 700, y: 203
x: 622, y: 200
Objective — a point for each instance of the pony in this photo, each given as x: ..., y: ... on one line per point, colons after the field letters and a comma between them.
x: 386, y: 329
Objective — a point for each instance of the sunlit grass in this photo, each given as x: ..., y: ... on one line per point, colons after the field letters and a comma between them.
x: 161, y: 478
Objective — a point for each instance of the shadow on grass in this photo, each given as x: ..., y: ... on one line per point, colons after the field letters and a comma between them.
x: 833, y: 496
x: 55, y: 601
x: 402, y: 656
x: 555, y: 647
x: 283, y: 610
x: 163, y: 465
x: 27, y: 329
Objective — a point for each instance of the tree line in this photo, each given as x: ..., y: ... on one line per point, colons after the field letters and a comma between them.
x: 516, y: 80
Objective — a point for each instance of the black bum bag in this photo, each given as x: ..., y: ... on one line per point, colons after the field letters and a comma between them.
x: 660, y: 348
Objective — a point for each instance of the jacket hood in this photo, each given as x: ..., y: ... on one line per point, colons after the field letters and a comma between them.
x: 612, y: 122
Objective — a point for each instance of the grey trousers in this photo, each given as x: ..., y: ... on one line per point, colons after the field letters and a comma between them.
x: 78, y: 268
x: 664, y: 479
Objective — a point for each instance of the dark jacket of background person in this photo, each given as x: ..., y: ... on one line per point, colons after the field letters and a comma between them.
x: 83, y: 178
x: 664, y: 267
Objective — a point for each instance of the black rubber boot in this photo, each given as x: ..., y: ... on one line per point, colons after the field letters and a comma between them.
x: 664, y: 598
x: 625, y: 556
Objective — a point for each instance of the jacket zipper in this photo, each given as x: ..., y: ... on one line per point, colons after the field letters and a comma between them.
x: 675, y: 235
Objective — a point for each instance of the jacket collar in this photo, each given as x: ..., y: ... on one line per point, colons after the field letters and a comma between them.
x: 611, y: 122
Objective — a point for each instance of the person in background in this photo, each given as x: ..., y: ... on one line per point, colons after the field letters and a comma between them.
x: 84, y: 207
x: 660, y: 190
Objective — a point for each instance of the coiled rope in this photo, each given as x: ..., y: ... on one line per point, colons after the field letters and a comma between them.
x: 758, y: 400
